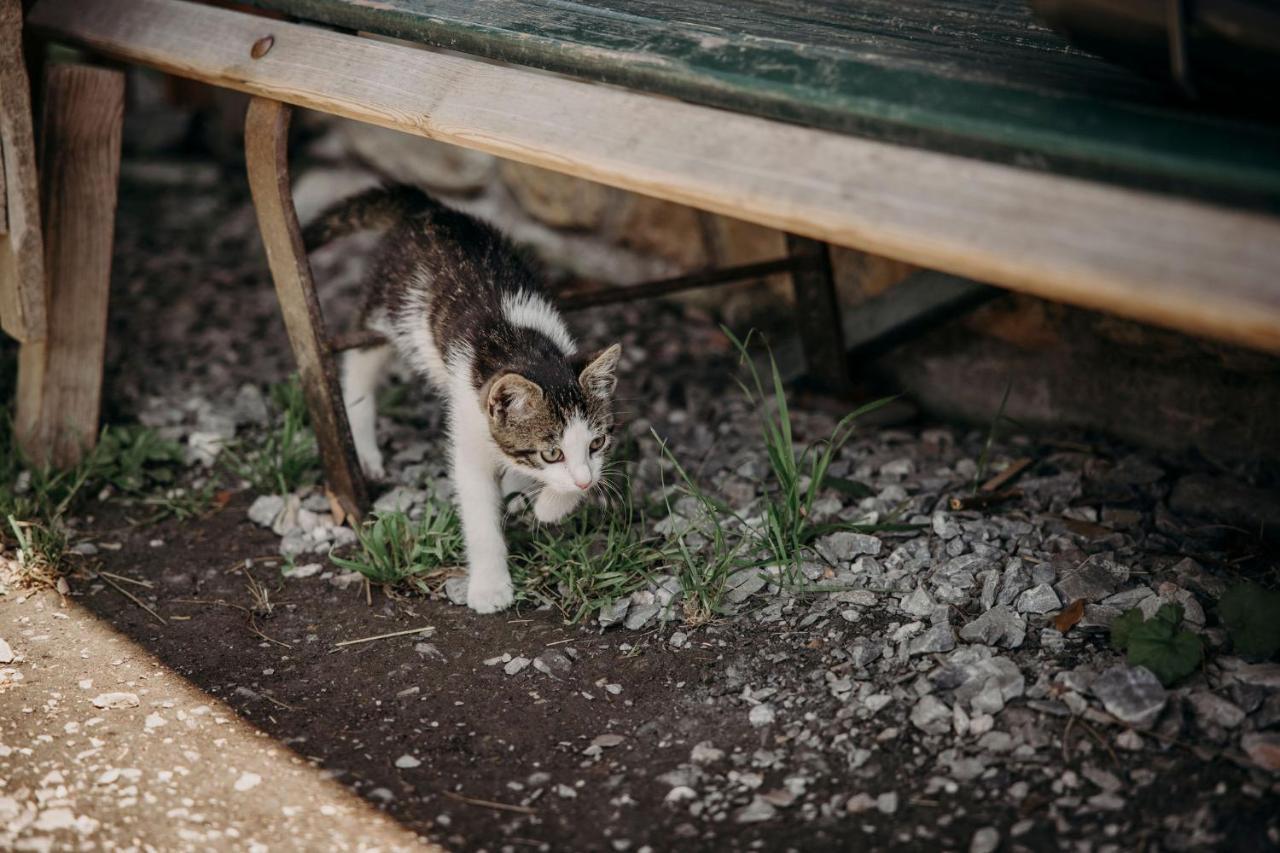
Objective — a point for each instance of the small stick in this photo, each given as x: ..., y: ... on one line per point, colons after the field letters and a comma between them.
x: 384, y: 636
x: 277, y: 702
x: 253, y: 624
x: 1015, y: 468
x: 961, y: 502
x: 488, y: 804
x: 133, y: 598
x: 115, y: 576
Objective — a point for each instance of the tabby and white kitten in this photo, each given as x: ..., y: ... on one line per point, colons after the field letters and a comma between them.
x: 464, y: 311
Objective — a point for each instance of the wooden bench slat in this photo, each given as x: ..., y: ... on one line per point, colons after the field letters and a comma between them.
x: 973, y: 77
x: 1192, y: 266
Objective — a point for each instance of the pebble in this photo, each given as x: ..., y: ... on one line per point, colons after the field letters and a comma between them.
x: 116, y: 700
x: 265, y: 508
x: 247, y: 782
x: 759, y: 809
x: 407, y: 762
x: 516, y: 665
x: 1038, y: 599
x: 6, y: 652
x: 1131, y: 694
x: 985, y: 840
x: 761, y: 715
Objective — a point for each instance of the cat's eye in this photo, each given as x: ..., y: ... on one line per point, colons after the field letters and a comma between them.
x: 597, y: 443
x: 553, y: 455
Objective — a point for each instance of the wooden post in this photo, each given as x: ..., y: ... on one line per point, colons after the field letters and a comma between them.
x: 22, y: 286
x: 818, y: 315
x: 266, y: 154
x: 60, y: 377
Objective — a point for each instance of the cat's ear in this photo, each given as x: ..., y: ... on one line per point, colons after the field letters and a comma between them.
x: 600, y: 377
x: 513, y: 396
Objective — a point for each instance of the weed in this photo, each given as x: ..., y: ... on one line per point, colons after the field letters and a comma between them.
x: 393, y: 549
x: 286, y: 458
x: 799, y: 478
x: 594, y: 559
x: 984, y: 458
x: 703, y: 568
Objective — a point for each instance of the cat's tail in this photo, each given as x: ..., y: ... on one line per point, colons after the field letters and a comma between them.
x: 374, y: 209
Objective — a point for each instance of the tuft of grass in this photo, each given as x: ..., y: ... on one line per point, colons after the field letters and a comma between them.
x: 287, y: 457
x: 36, y: 499
x: 799, y: 477
x: 707, y: 553
x: 595, y: 558
x: 396, y: 550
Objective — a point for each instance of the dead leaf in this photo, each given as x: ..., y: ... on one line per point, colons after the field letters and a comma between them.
x: 335, y: 508
x: 222, y: 498
x: 1070, y: 616
x: 1087, y: 529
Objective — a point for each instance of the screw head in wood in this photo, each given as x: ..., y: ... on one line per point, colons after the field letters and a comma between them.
x: 261, y: 46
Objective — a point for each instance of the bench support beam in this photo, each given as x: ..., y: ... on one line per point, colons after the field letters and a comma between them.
x: 60, y: 376
x: 266, y: 155
x: 818, y: 315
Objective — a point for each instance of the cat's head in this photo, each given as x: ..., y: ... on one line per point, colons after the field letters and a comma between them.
x: 558, y: 434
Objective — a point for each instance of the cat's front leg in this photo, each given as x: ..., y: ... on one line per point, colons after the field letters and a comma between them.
x: 480, y: 507
x: 551, y: 506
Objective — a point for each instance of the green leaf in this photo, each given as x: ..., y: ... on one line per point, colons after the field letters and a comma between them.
x: 1170, y: 657
x: 852, y: 488
x: 1158, y: 644
x: 1123, y: 627
x: 1252, y: 617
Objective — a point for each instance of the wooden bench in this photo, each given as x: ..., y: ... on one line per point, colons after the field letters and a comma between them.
x: 957, y: 135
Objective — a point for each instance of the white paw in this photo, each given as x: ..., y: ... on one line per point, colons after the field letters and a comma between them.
x: 552, y: 506
x: 490, y: 596
x: 372, y: 465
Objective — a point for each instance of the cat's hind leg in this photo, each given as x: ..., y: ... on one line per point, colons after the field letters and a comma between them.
x: 362, y: 371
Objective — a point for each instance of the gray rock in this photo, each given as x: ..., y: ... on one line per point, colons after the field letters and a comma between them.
x: 1130, y: 694
x: 742, y: 584
x: 516, y: 665
x: 1093, y: 580
x: 296, y: 543
x: 842, y: 547
x: 553, y: 662
x: 265, y: 508
x: 944, y: 527
x: 455, y: 589
x: 759, y: 809
x: 1015, y: 581
x: 931, y: 715
x: 999, y: 626
x: 400, y: 499
x: 640, y: 615
x: 938, y: 638
x: 990, y: 586
x: 864, y: 650
x: 985, y: 840
x: 613, y: 613
x: 761, y: 715
x: 917, y: 603
x: 250, y: 406
x: 887, y: 803
x: 1039, y: 599
x: 1211, y: 710
x: 6, y: 652
x: 346, y: 579
x: 303, y: 571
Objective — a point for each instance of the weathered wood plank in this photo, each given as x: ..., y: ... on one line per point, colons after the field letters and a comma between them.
x: 60, y: 376
x: 22, y: 285
x: 1191, y: 266
x: 975, y: 77
x: 266, y: 137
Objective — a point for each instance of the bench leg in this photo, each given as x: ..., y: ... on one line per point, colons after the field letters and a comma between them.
x: 22, y: 309
x: 60, y: 377
x: 818, y: 316
x: 266, y: 155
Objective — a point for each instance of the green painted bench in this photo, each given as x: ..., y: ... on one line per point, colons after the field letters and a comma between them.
x: 957, y: 135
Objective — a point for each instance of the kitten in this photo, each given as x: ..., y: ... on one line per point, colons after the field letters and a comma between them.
x: 460, y: 306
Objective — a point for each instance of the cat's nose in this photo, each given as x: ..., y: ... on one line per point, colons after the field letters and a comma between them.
x: 581, y: 484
